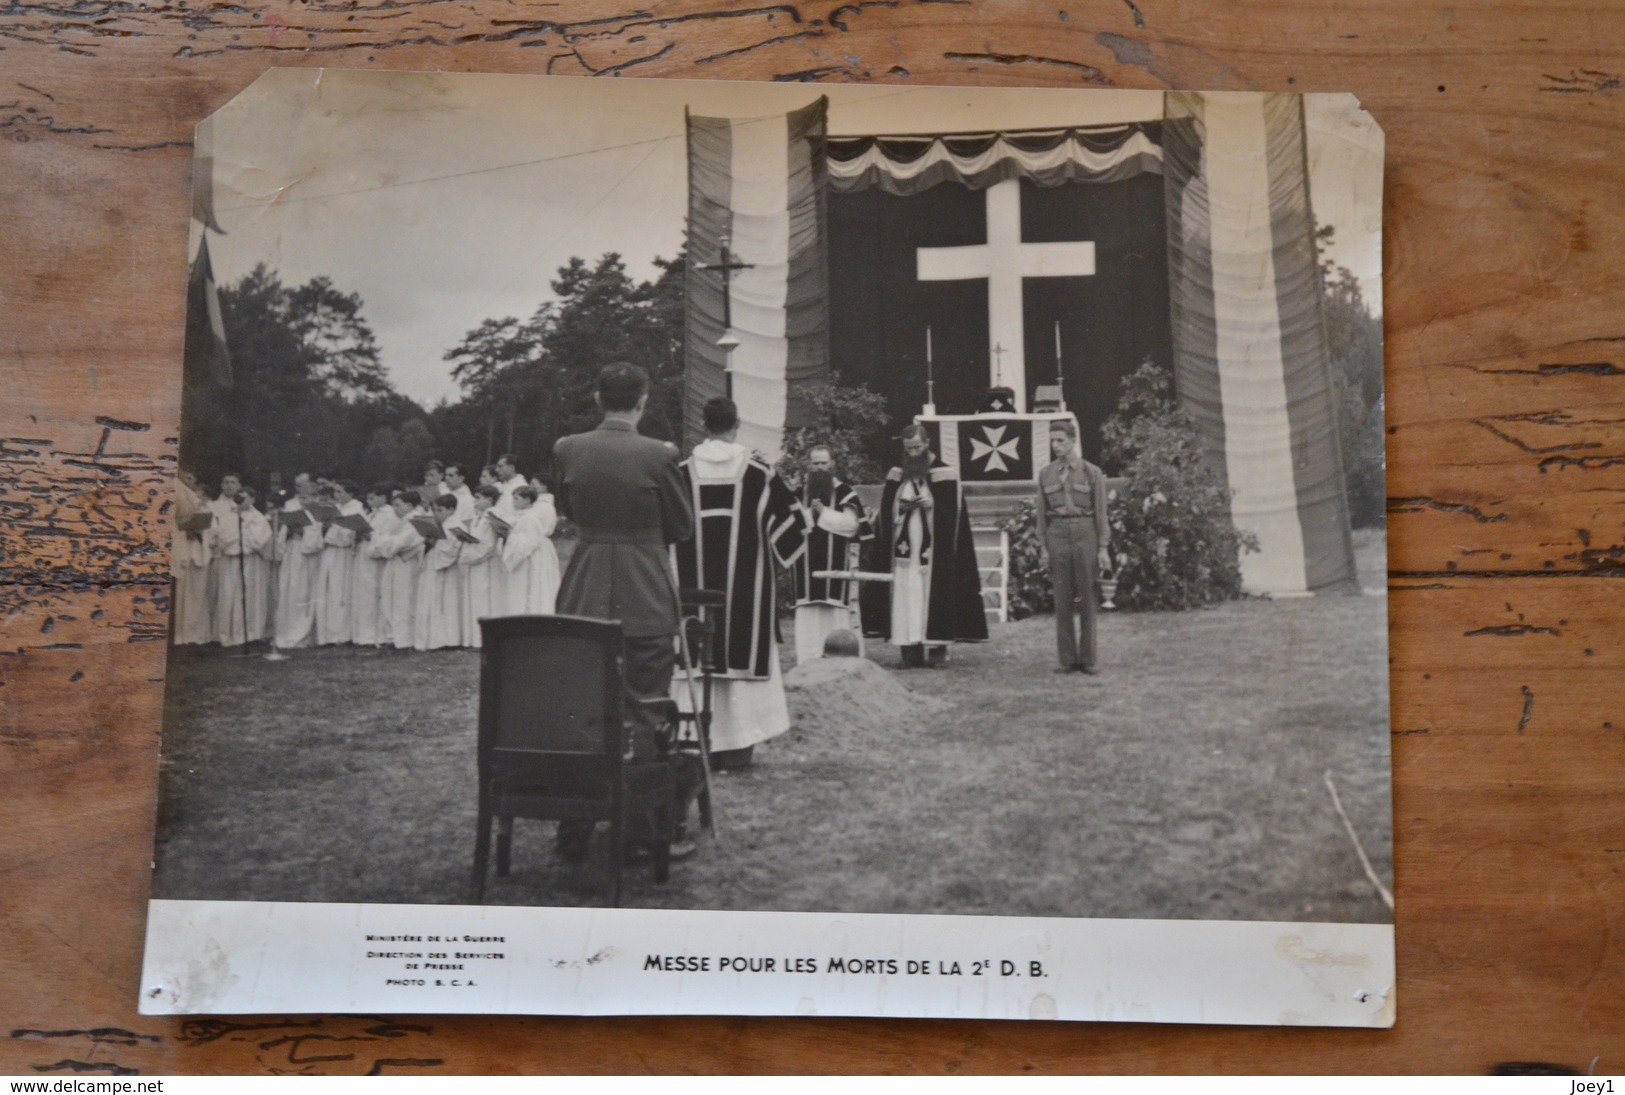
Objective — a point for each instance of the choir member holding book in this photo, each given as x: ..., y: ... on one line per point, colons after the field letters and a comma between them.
x: 481, y: 561
x: 222, y: 507
x: 335, y: 596
x: 369, y: 569
x: 300, y: 568
x: 528, y: 556
x: 402, y: 551
x: 189, y: 562
x: 439, y: 620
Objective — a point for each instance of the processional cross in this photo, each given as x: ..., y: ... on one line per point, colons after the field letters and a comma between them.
x: 1004, y: 260
x: 727, y: 263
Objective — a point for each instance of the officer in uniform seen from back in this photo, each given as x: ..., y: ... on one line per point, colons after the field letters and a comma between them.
x: 627, y: 498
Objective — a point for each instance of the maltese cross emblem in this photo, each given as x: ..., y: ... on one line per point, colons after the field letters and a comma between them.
x: 994, y: 449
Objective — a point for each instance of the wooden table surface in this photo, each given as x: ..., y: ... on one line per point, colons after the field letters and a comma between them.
x: 1505, y: 314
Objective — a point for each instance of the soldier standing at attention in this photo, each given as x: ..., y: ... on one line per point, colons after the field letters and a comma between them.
x: 1072, y: 526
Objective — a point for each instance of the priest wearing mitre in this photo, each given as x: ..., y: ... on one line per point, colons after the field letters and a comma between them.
x: 935, y: 595
x: 746, y: 519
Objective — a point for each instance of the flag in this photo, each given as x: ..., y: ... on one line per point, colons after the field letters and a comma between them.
x: 917, y: 224
x: 1250, y: 356
x: 208, y: 359
x: 755, y: 183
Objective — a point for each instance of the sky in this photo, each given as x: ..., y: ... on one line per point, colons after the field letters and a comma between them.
x: 445, y: 199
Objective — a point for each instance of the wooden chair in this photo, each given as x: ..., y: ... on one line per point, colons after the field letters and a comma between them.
x: 554, y: 742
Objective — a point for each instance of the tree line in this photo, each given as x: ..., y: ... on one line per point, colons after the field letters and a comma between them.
x: 310, y: 392
x: 308, y: 389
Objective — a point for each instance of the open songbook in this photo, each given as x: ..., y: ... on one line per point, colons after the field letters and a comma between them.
x: 355, y: 522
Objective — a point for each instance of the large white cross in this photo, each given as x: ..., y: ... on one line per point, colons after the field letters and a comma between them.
x: 1004, y: 260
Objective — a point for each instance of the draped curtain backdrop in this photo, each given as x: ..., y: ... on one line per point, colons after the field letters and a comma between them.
x: 757, y: 182
x: 1250, y: 355
x: 1203, y: 261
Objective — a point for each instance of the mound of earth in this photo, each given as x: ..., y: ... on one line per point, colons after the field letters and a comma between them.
x: 853, y: 699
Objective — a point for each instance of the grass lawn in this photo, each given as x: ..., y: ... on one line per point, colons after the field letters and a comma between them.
x: 1186, y: 781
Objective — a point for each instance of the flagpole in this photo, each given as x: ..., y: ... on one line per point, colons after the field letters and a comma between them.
x: 242, y: 575
x: 275, y: 655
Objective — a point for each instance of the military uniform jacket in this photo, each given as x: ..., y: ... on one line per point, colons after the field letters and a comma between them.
x: 627, y: 498
x: 1054, y: 494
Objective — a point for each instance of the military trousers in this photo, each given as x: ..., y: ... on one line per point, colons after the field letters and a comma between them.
x: 1074, y: 553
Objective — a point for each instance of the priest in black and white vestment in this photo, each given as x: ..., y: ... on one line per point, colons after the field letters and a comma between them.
x: 825, y: 604
x: 923, y: 538
x: 745, y: 518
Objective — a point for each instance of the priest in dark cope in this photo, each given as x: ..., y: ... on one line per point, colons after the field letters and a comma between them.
x: 935, y: 595
x: 824, y: 605
x: 746, y: 520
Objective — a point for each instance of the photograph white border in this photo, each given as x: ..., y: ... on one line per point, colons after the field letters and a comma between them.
x: 249, y: 957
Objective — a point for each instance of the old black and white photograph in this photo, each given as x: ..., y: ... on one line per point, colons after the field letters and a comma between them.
x: 906, y: 505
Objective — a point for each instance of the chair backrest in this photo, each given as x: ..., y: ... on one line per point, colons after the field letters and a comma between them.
x: 550, y: 686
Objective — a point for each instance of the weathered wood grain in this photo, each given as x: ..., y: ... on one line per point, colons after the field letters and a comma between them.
x: 1506, y: 398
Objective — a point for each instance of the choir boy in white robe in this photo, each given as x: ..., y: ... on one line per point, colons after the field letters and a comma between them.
x: 456, y: 485
x: 335, y: 594
x: 745, y: 519
x: 223, y: 507
x: 189, y: 563
x: 482, y: 568
x: 402, y: 551
x: 434, y: 483
x: 370, y: 627
x: 508, y: 481
x: 528, y: 556
x: 242, y: 599
x: 439, y: 621
x: 299, y: 574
